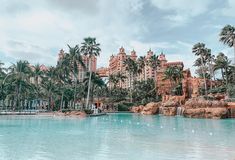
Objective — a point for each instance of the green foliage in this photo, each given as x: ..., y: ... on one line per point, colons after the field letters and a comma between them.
x: 57, y: 85
x: 220, y: 89
x: 88, y: 111
x: 144, y: 91
x: 175, y: 75
x: 114, y: 79
x: 118, y: 94
x: 227, y: 35
x: 153, y: 61
x: 231, y: 90
x: 125, y: 106
x: 202, y: 91
x: 65, y: 110
x: 178, y: 91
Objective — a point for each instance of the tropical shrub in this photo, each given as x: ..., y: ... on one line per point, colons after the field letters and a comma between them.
x: 220, y: 89
x: 144, y: 92
x: 88, y: 111
x: 125, y: 106
x: 231, y: 90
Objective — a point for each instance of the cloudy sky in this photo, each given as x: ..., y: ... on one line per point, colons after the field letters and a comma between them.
x: 36, y: 30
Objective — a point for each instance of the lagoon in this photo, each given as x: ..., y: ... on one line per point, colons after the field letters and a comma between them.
x: 116, y: 136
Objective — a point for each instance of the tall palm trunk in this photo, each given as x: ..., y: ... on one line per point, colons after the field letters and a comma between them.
x: 75, y: 91
x: 226, y: 74
x: 226, y: 81
x: 214, y: 75
x: 144, y: 73
x: 36, y: 82
x: 89, y: 84
x: 234, y: 51
x: 49, y: 100
x: 19, y: 100
x: 16, y: 99
x: 211, y: 74
x: 204, y: 76
x: 171, y: 85
x: 19, y: 91
x: 92, y: 93
x: 155, y: 84
x: 61, y: 102
x: 130, y: 82
x: 234, y: 59
x: 222, y: 73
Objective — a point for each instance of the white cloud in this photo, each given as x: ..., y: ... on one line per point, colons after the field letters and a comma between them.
x: 230, y: 9
x: 182, y: 10
x: 142, y: 47
x: 24, y: 50
x: 52, y: 28
x: 39, y: 29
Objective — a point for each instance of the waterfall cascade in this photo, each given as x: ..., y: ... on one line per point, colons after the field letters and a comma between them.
x: 180, y: 111
x: 160, y: 110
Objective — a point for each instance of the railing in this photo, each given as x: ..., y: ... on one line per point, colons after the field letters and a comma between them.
x: 23, y: 112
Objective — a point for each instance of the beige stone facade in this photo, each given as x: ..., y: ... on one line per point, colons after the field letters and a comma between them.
x: 116, y: 65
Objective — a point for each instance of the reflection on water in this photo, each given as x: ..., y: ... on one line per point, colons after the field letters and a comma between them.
x: 116, y: 136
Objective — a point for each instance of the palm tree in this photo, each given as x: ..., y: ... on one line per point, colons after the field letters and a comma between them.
x: 2, y: 69
x: 49, y: 89
x: 144, y: 91
x: 75, y: 60
x: 200, y: 50
x: 227, y: 36
x: 113, y: 80
x: 154, y: 63
x: 64, y: 67
x: 211, y: 60
x: 175, y: 75
x: 91, y: 49
x: 63, y: 80
x: 49, y: 85
x: 120, y: 78
x: 37, y: 74
x: 223, y: 63
x: 2, y: 77
x: 141, y: 66
x: 97, y: 82
x: 131, y: 67
x: 20, y: 72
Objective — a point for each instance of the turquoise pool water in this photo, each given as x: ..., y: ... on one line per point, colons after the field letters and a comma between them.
x: 116, y: 137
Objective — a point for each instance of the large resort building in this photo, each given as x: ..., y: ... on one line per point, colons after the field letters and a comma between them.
x: 116, y: 65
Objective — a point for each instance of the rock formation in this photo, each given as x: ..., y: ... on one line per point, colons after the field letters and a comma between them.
x: 149, y: 109
x: 137, y: 109
x: 169, y: 108
x: 201, y: 108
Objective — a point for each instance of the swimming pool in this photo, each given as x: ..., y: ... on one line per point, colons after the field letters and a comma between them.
x: 116, y: 137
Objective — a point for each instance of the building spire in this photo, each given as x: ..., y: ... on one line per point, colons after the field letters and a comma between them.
x: 121, y: 50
